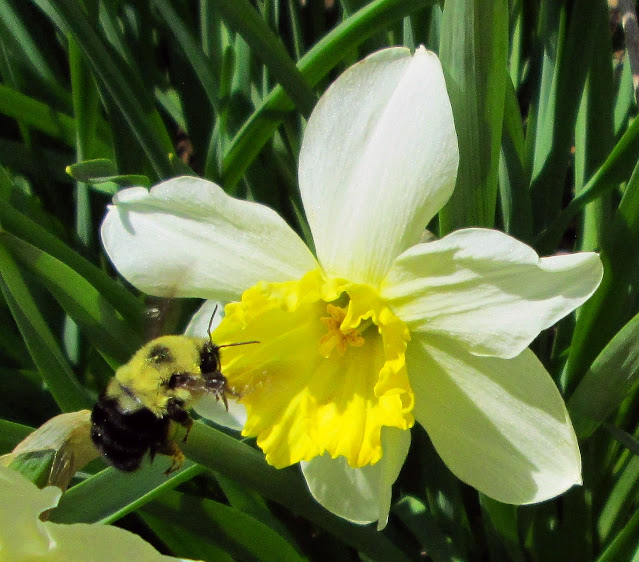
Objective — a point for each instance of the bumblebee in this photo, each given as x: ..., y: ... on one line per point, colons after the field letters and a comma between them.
x: 133, y: 415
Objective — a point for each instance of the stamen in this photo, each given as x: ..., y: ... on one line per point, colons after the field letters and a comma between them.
x: 338, y: 337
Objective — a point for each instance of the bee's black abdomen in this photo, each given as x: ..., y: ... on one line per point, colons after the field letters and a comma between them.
x: 123, y: 439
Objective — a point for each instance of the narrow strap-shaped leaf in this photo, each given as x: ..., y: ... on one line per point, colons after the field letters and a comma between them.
x: 594, y: 135
x: 54, y: 368
x: 237, y: 532
x: 513, y: 180
x: 616, y: 169
x: 609, y: 380
x: 111, y: 494
x: 474, y: 51
x: 82, y: 301
x: 26, y: 229
x: 602, y: 316
x: 123, y: 85
x: 620, y: 504
x: 43, y: 118
x: 241, y: 16
x: 201, y: 64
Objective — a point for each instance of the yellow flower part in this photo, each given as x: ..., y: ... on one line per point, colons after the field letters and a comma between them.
x: 328, y: 373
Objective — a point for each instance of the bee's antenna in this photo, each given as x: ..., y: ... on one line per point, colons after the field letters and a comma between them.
x: 238, y: 343
x: 211, y: 320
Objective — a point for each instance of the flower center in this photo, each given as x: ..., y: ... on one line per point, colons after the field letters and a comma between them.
x: 338, y: 337
x: 329, y: 371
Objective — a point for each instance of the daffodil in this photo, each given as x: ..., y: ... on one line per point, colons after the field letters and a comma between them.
x: 377, y: 329
x: 24, y: 536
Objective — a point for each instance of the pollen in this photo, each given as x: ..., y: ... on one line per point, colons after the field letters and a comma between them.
x: 329, y: 371
x: 337, y: 337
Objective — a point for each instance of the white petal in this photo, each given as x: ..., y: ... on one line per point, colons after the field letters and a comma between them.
x: 378, y: 160
x: 211, y: 409
x: 187, y: 238
x: 205, y: 320
x: 360, y: 495
x: 486, y: 290
x: 500, y: 425
x: 99, y: 543
x: 22, y: 534
x: 208, y: 407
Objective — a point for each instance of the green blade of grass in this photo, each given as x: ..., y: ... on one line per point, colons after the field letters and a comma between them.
x: 550, y: 134
x: 594, y: 135
x: 29, y: 231
x: 516, y: 211
x: 474, y: 51
x: 625, y: 545
x: 602, y: 316
x: 230, y: 457
x: 43, y: 347
x: 241, y: 16
x: 125, y: 87
x: 111, y: 494
x: 11, y: 434
x: 610, y: 379
x: 202, y: 65
x: 81, y: 301
x: 240, y: 535
x: 615, y: 169
x: 43, y: 118
x: 620, y: 504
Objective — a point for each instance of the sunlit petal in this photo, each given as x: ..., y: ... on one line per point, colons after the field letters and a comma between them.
x: 499, y: 424
x: 187, y: 238
x: 23, y: 536
x: 361, y: 495
x: 487, y: 290
x: 378, y: 160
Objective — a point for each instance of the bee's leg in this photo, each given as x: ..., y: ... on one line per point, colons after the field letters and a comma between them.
x: 176, y: 412
x: 171, y: 449
x: 216, y: 383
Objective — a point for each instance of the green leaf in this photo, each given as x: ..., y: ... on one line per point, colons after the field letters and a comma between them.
x: 627, y: 440
x: 425, y: 527
x: 95, y: 316
x: 554, y: 108
x: 241, y: 16
x: 29, y: 231
x: 123, y: 85
x: 238, y: 534
x: 594, y: 135
x: 250, y: 502
x: 613, y: 375
x: 620, y: 504
x: 513, y: 179
x: 616, y: 169
x: 202, y: 65
x: 474, y: 52
x: 86, y: 170
x: 607, y: 310
x: 35, y: 466
x: 111, y: 494
x: 11, y: 434
x: 54, y: 368
x: 40, y: 116
x: 625, y: 545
